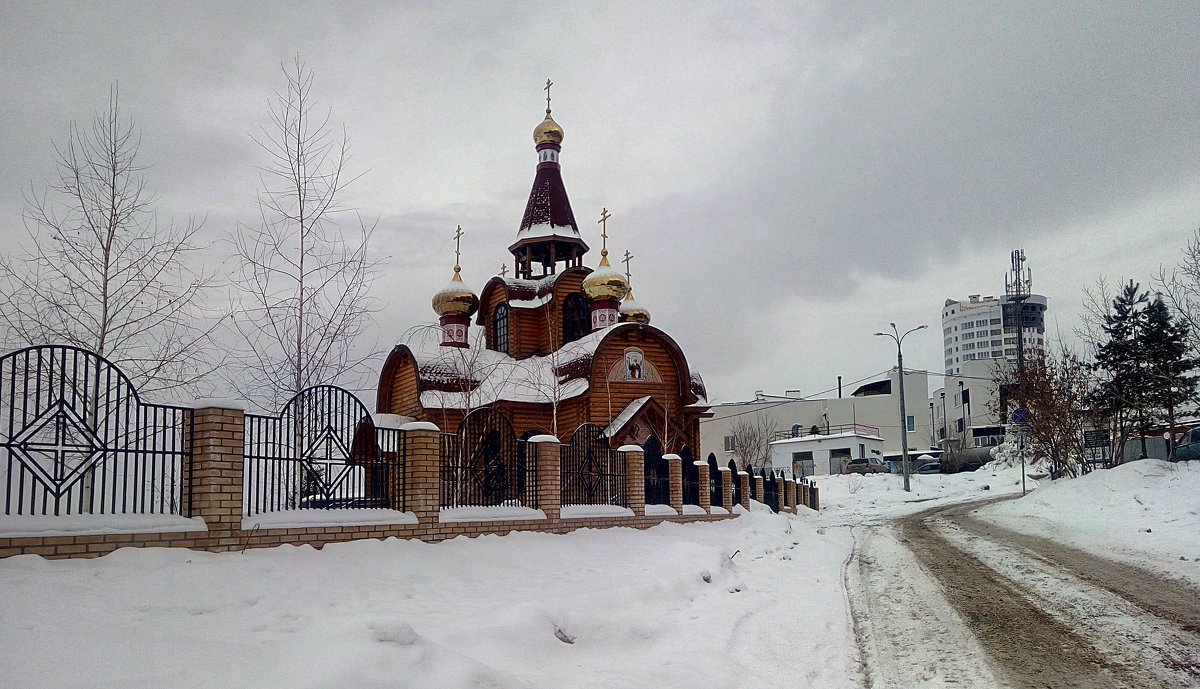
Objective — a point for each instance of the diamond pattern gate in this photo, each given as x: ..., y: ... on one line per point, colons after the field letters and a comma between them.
x: 323, y: 451
x: 76, y: 439
x: 484, y: 465
x: 591, y: 472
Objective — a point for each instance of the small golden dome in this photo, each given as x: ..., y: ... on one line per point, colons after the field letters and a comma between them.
x: 456, y: 299
x: 632, y: 313
x: 605, y: 283
x: 548, y: 131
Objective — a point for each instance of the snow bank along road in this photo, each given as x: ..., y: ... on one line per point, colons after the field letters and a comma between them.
x: 940, y: 598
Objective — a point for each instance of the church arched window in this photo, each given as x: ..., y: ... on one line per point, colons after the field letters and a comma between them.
x: 577, y: 318
x: 500, y: 328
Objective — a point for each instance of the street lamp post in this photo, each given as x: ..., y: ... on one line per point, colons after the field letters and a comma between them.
x: 899, y: 338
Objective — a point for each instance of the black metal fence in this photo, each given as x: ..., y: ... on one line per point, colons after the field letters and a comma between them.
x: 484, y: 464
x: 770, y: 490
x: 322, y: 451
x: 76, y: 439
x: 592, y: 473
x: 737, y: 482
x: 716, y: 485
x: 657, y: 471
x: 691, y: 478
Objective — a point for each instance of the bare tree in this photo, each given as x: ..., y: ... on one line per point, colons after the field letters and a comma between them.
x: 1180, y: 288
x: 1057, y: 389
x: 304, y: 278
x: 542, y: 376
x: 464, y: 378
x: 752, y: 437
x: 102, y: 273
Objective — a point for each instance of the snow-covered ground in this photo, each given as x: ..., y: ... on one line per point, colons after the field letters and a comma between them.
x: 754, y: 602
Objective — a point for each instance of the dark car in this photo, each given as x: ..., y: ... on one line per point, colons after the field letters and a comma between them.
x: 1188, y: 447
x: 930, y: 468
x: 866, y: 465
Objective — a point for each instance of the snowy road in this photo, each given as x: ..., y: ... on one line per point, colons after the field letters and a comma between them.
x: 943, y: 599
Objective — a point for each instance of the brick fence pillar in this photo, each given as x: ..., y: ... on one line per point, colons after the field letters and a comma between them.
x: 744, y: 479
x: 780, y: 489
x: 423, y: 466
x: 727, y: 478
x: 758, y: 488
x: 705, y: 493
x: 215, y: 476
x: 635, y: 479
x: 549, y: 475
x: 675, y: 465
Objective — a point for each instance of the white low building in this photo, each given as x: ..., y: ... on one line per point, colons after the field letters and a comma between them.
x: 875, y: 403
x: 814, y: 454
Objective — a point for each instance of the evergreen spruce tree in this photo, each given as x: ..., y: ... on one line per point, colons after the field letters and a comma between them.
x: 1122, y: 394
x: 1169, y: 368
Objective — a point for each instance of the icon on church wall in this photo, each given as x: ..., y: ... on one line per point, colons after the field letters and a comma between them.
x: 634, y: 364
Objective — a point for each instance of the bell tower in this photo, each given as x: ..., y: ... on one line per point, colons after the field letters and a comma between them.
x: 548, y: 234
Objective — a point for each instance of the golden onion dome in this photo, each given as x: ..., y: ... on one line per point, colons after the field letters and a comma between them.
x: 605, y: 282
x: 632, y: 313
x: 548, y: 131
x: 456, y: 299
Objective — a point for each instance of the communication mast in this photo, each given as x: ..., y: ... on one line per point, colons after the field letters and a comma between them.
x: 1017, y: 286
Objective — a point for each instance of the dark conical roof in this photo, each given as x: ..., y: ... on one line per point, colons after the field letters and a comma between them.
x: 548, y: 211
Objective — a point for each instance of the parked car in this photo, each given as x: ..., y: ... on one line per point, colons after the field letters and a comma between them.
x: 930, y: 468
x: 866, y: 465
x: 1187, y: 447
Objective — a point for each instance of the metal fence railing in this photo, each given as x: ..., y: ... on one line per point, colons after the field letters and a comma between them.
x: 76, y: 439
x: 592, y: 473
x: 485, y: 465
x: 322, y: 451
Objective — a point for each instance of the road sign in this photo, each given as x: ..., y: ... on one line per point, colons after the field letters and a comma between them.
x: 1020, y: 415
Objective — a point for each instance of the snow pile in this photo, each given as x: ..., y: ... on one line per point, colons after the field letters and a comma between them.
x: 1006, y: 455
x: 1146, y: 512
x: 678, y: 605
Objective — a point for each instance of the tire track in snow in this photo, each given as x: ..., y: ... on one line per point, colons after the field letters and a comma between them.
x: 908, y: 634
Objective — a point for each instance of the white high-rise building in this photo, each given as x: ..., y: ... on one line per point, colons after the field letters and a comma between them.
x: 986, y: 328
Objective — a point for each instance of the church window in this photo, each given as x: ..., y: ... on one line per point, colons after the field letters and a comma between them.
x: 500, y: 329
x: 577, y: 320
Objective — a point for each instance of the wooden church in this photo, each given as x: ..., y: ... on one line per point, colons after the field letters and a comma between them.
x: 552, y: 347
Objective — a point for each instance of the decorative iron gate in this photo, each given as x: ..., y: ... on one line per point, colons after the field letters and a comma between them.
x: 737, y: 482
x: 75, y: 438
x: 658, y: 473
x: 484, y: 465
x: 323, y: 451
x: 770, y: 490
x: 592, y: 473
x: 716, y: 487
x: 691, y: 478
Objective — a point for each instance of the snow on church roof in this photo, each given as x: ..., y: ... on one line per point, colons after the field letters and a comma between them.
x: 458, y: 378
x: 530, y: 294
x: 627, y: 414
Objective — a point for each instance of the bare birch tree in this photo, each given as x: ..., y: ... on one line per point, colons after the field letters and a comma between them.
x: 102, y: 273
x: 304, y: 276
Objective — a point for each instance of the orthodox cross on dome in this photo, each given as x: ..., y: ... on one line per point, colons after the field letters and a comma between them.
x: 457, y: 248
x: 503, y: 269
x: 603, y: 222
x: 547, y: 90
x: 628, y: 257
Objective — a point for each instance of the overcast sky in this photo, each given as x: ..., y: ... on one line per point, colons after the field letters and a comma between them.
x: 789, y: 176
